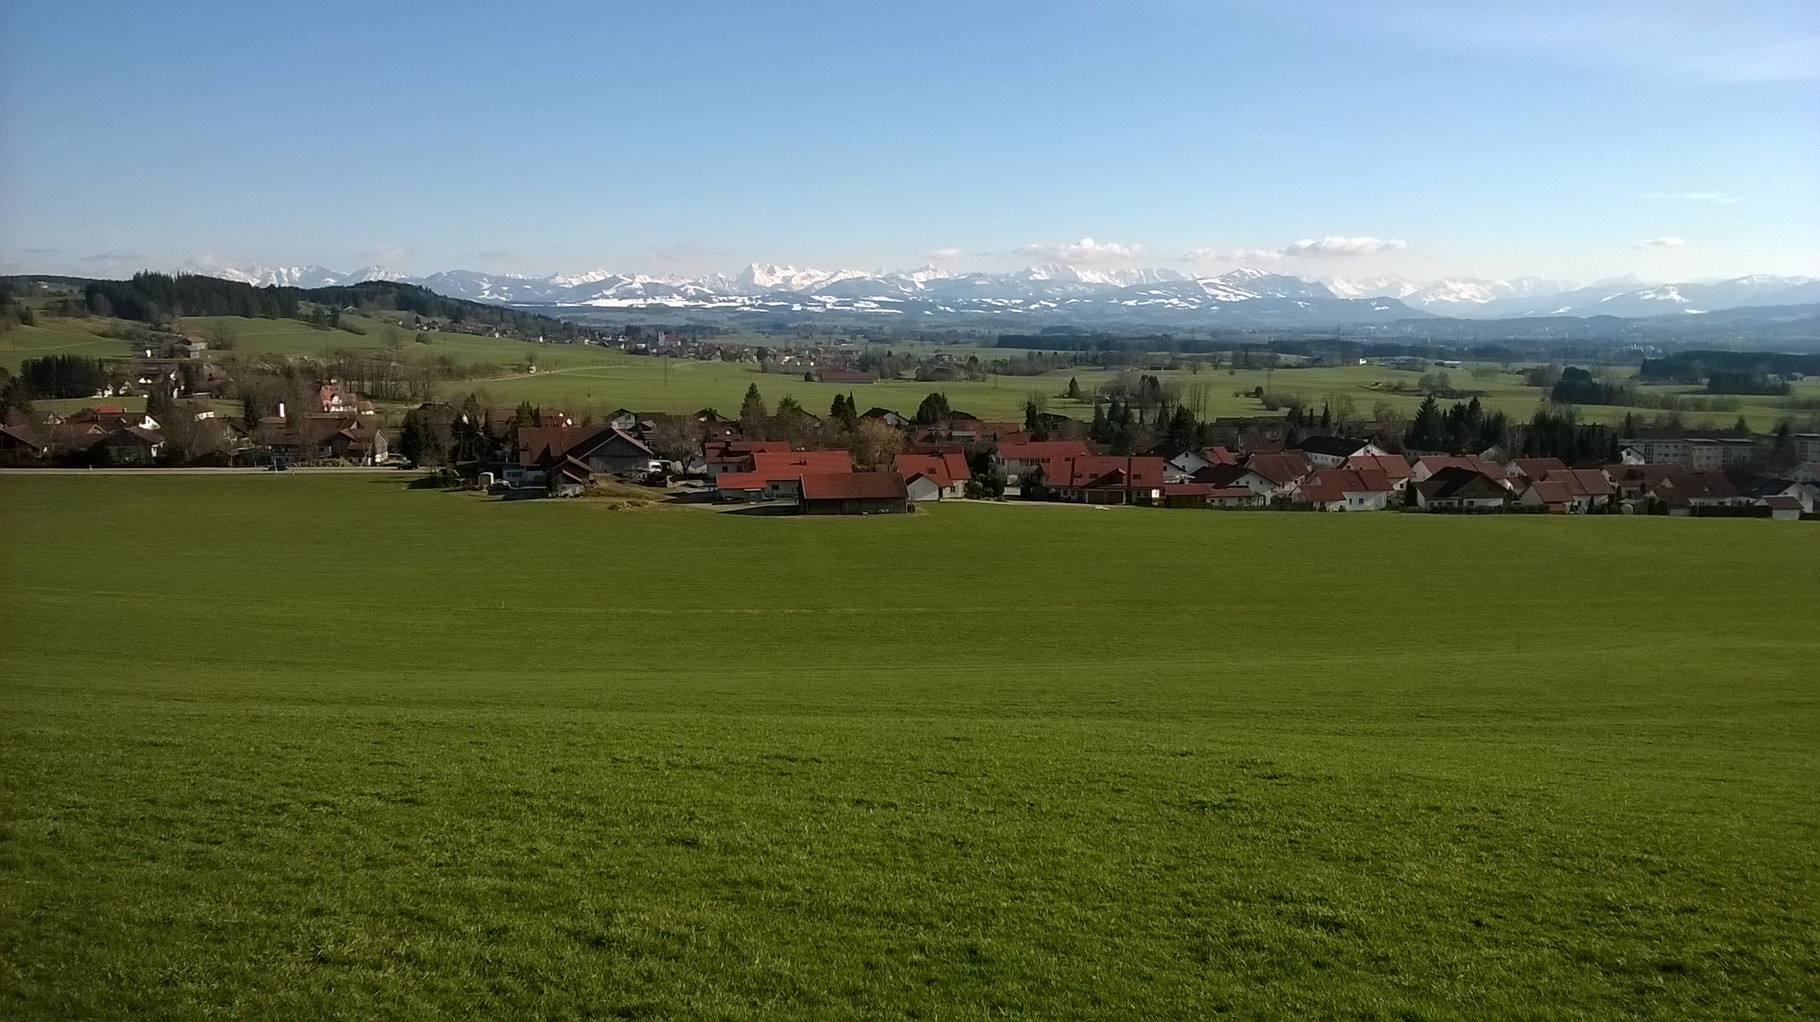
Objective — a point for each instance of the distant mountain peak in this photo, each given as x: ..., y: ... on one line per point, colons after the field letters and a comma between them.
x: 1068, y: 292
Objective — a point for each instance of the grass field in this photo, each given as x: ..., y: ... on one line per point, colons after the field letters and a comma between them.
x: 303, y: 747
x: 58, y: 337
x: 580, y: 378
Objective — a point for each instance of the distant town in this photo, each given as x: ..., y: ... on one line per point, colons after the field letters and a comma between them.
x: 176, y: 390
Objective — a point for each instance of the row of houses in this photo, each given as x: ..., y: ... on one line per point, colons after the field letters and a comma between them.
x: 1711, y: 452
x: 111, y: 435
x: 1324, y: 474
x: 828, y: 482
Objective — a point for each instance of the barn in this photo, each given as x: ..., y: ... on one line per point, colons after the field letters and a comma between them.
x: 853, y: 493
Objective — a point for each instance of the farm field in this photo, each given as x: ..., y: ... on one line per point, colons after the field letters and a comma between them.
x: 582, y: 379
x: 429, y: 754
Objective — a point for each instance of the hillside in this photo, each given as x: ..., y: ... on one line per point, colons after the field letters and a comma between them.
x: 158, y: 299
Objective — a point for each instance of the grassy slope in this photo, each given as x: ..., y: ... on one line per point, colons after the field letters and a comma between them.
x: 449, y: 756
x: 54, y: 336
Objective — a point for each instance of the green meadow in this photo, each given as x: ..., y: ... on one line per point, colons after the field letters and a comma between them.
x: 581, y: 379
x: 306, y: 747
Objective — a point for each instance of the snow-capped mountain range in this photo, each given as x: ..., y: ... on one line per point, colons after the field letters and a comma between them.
x: 1061, y: 292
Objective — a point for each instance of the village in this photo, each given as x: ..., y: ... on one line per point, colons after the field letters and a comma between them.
x: 891, y: 463
x: 961, y: 457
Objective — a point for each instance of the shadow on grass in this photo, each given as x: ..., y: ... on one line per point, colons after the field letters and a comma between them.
x: 763, y: 510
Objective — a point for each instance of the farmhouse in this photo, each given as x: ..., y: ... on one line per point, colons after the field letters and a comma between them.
x: 1553, y: 496
x: 1016, y: 460
x: 1345, y: 489
x: 1267, y: 475
x: 852, y: 493
x: 613, y: 450
x: 1189, y: 462
x: 1533, y: 468
x: 569, y: 477
x: 547, y: 456
x: 886, y: 416
x: 1688, y: 493
x: 845, y: 376
x: 1393, y: 466
x: 1208, y: 495
x: 1635, y: 481
x: 777, y: 475
x: 940, y: 476
x: 1334, y: 451
x: 325, y: 438
x: 1783, y: 508
x: 1103, y: 479
x: 1588, y: 489
x: 1459, y: 488
x: 132, y: 445
x: 23, y: 445
x: 736, y: 455
x: 1425, y: 467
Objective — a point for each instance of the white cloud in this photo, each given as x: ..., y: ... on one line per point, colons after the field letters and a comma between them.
x: 1714, y: 198
x: 1665, y: 242
x: 1085, y: 250
x: 1336, y: 246
x: 1332, y: 246
x: 1228, y: 255
x: 944, y: 254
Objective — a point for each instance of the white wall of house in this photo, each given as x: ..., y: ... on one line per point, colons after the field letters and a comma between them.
x: 922, y: 488
x: 1188, y: 462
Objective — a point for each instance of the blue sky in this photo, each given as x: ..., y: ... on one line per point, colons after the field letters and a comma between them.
x: 1578, y: 140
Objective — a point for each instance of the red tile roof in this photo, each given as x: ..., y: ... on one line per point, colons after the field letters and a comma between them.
x: 1782, y: 502
x: 542, y: 444
x: 1103, y: 471
x: 1436, y: 462
x: 741, y: 481
x: 788, y: 464
x: 1041, y: 450
x: 1280, y: 468
x: 944, y: 469
x: 1330, y: 484
x: 1682, y: 486
x: 1646, y: 476
x: 1392, y: 465
x: 1455, y: 482
x: 1582, y: 482
x: 1551, y: 491
x: 852, y: 485
x: 1534, y: 468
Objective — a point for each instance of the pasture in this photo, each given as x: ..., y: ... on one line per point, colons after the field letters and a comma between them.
x: 313, y: 747
x: 582, y: 380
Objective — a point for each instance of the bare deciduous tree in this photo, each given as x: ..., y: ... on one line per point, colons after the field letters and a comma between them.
x: 874, y: 442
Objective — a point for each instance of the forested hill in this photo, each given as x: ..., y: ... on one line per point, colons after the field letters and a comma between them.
x: 157, y: 297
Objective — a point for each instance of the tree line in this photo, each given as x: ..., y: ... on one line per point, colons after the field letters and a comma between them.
x: 157, y: 297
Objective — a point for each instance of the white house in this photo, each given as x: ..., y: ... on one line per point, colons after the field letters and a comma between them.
x: 1333, y: 451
